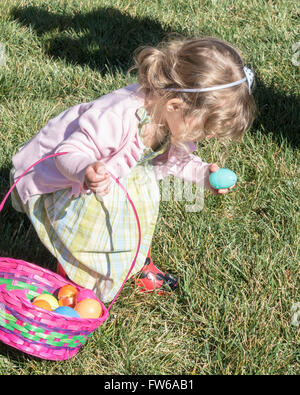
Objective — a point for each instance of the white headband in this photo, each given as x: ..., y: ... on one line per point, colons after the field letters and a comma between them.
x: 249, y: 77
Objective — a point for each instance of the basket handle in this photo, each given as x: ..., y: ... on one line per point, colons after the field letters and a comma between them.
x: 120, y: 185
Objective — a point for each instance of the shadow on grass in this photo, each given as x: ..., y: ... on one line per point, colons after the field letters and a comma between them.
x: 105, y: 39
x: 278, y: 114
x: 15, y: 357
x: 18, y: 237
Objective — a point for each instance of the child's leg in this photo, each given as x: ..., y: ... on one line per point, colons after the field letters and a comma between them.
x: 15, y: 198
x: 150, y: 278
x: 62, y: 273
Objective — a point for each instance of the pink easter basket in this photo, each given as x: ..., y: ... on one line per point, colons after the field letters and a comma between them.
x: 36, y: 331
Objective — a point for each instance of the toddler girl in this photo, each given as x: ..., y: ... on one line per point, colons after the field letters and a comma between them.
x: 187, y: 90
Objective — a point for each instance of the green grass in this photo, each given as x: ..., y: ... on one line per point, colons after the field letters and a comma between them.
x: 237, y: 259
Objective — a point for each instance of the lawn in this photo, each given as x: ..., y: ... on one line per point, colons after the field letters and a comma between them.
x: 237, y: 259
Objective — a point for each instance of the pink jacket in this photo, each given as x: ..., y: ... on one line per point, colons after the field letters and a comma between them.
x: 105, y: 130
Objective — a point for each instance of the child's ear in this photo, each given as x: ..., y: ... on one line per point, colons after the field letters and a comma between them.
x: 175, y: 104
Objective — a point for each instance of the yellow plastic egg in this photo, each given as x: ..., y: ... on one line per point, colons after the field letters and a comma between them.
x: 50, y: 299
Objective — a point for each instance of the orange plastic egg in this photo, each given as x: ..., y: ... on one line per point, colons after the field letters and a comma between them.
x: 43, y: 304
x: 89, y: 308
x: 67, y: 291
x: 49, y: 299
x: 70, y: 302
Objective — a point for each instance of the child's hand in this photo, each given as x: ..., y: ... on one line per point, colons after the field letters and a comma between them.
x: 214, y: 167
x: 97, y: 179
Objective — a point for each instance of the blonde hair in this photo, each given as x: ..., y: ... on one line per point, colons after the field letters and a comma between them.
x: 197, y: 63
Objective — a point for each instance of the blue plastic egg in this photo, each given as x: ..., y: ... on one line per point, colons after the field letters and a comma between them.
x: 222, y: 179
x: 66, y: 310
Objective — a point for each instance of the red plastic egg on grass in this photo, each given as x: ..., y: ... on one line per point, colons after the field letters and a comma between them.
x: 89, y: 308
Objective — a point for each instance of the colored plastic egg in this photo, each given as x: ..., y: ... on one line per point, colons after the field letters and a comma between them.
x: 48, y: 298
x: 222, y: 179
x: 89, y: 308
x: 67, y: 291
x: 43, y: 304
x: 86, y: 294
x: 71, y: 301
x: 68, y: 311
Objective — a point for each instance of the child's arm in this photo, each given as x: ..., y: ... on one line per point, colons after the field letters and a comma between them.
x: 185, y: 165
x: 97, y: 179
x: 182, y: 164
x: 98, y: 138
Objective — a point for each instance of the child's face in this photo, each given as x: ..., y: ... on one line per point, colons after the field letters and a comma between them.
x: 178, y: 125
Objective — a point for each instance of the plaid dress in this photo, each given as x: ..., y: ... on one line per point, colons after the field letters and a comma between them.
x: 95, y: 238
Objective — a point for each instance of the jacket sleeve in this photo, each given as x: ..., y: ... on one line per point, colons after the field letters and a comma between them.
x: 182, y: 164
x: 99, y: 136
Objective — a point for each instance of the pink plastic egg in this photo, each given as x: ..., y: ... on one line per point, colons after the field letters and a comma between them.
x: 85, y: 294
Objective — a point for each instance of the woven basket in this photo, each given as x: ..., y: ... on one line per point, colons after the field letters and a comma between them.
x: 36, y: 331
